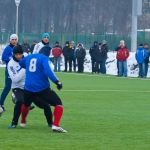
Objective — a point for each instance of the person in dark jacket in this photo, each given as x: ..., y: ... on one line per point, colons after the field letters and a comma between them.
x: 141, y: 55
x: 146, y: 47
x: 122, y: 56
x: 94, y: 50
x: 57, y: 52
x: 46, y: 50
x: 25, y: 46
x: 66, y: 55
x: 80, y: 54
x: 103, y: 56
x: 72, y: 59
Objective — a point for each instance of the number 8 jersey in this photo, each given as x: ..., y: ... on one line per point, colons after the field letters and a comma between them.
x: 38, y: 72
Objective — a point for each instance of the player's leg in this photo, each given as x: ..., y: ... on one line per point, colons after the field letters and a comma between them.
x: 19, y: 96
x: 54, y: 100
x: 38, y: 101
x: 6, y: 89
x: 28, y: 97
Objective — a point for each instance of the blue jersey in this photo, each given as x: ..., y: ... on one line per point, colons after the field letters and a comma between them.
x: 7, y: 54
x: 38, y: 72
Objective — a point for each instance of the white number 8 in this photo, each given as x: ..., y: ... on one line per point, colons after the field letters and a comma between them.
x: 32, y: 67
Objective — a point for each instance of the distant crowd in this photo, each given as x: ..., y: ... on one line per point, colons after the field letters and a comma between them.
x: 74, y: 56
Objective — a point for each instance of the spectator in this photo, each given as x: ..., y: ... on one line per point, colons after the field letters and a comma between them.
x: 72, y: 59
x: 57, y: 52
x: 93, y: 53
x: 122, y: 42
x: 147, y: 58
x: 122, y: 56
x: 25, y: 46
x: 141, y: 55
x: 80, y: 55
x: 103, y: 56
x: 66, y: 55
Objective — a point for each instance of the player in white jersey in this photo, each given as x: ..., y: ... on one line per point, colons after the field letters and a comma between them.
x: 17, y: 75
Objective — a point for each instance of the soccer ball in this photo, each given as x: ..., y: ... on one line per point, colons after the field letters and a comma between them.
x: 1, y: 110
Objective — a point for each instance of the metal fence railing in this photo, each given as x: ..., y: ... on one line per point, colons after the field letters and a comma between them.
x: 86, y: 39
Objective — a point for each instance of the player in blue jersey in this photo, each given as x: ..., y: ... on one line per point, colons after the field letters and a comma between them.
x: 6, y: 56
x: 37, y: 87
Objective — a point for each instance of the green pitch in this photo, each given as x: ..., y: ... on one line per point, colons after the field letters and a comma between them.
x: 101, y: 113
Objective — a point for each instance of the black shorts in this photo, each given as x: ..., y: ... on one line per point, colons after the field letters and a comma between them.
x: 47, y: 96
x: 18, y: 95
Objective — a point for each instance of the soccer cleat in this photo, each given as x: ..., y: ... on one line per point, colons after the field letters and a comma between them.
x: 22, y: 125
x: 3, y: 108
x: 58, y: 129
x: 11, y: 126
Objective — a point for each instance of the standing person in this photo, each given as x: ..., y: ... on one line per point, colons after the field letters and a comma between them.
x: 122, y: 43
x: 146, y: 47
x: 103, y: 56
x: 66, y: 55
x: 37, y: 88
x: 57, y: 52
x: 25, y: 46
x: 141, y: 55
x: 44, y: 42
x: 17, y: 76
x: 72, y: 60
x: 93, y: 53
x: 6, y: 56
x: 80, y: 54
x: 122, y: 56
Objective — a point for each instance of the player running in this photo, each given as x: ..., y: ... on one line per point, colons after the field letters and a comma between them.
x: 17, y: 75
x: 37, y: 87
x: 6, y: 56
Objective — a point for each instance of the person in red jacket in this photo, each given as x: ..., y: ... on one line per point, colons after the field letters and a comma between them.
x: 57, y: 52
x: 122, y: 56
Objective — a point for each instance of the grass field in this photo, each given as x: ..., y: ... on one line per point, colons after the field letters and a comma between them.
x: 101, y: 113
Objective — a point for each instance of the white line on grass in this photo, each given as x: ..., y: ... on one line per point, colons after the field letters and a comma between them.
x: 130, y: 91
x: 104, y: 76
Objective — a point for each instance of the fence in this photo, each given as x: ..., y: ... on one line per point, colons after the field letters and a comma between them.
x: 86, y: 39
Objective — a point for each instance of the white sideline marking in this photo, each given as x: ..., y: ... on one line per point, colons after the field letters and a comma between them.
x: 130, y: 91
x: 103, y: 76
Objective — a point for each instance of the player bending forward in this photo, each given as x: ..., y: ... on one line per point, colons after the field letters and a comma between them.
x: 37, y: 87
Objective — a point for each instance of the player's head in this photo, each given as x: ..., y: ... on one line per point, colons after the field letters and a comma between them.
x: 122, y: 43
x: 45, y: 37
x: 13, y: 39
x: 140, y: 45
x: 56, y: 43
x: 17, y: 52
x: 95, y: 43
x: 146, y: 46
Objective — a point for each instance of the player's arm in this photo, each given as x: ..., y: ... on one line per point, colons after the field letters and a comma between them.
x: 6, y: 55
x: 48, y: 71
x: 14, y: 75
x: 22, y: 63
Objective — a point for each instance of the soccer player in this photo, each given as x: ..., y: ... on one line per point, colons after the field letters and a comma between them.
x: 37, y: 87
x: 17, y: 75
x: 6, y: 56
x: 44, y: 42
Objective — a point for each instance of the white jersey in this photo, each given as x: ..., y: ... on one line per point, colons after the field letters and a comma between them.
x: 38, y: 47
x: 17, y: 74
